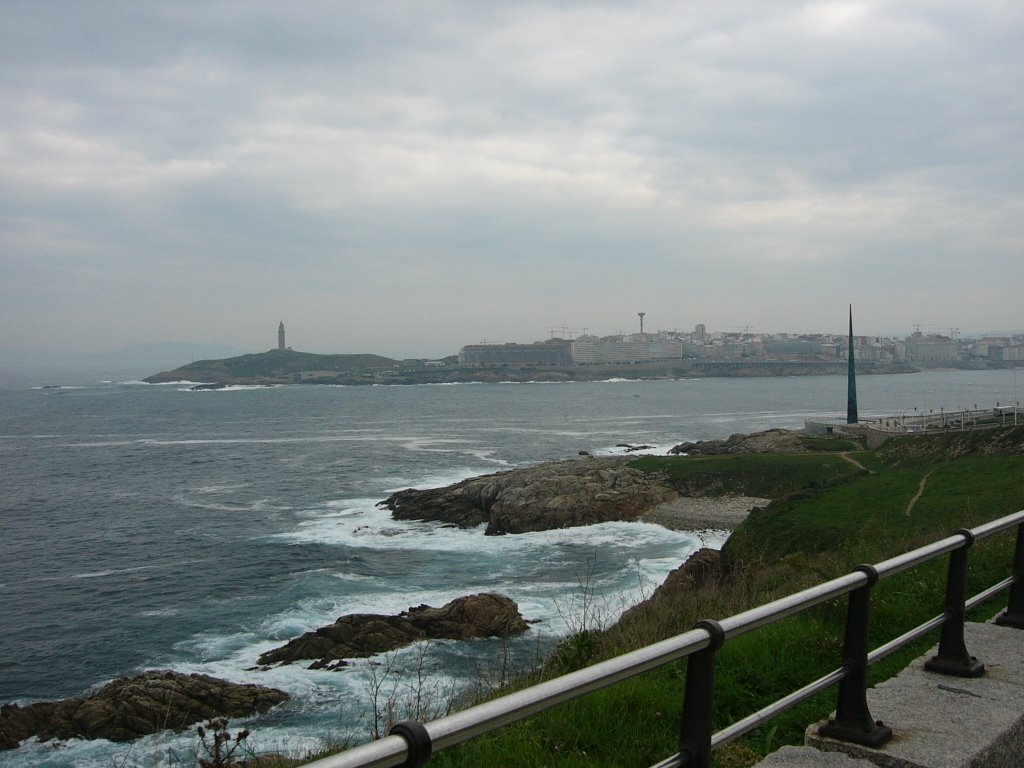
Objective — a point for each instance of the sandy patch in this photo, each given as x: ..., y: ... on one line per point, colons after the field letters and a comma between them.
x: 704, y: 512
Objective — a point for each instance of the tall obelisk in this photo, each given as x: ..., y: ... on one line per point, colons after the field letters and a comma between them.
x: 851, y: 380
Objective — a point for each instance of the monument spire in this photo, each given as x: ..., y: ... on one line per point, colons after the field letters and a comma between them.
x: 851, y: 379
x: 280, y: 336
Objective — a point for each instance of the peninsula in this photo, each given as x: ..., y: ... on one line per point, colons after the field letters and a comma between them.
x: 286, y: 366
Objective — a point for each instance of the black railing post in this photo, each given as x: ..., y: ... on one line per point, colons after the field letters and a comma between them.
x: 1013, y: 616
x: 698, y: 699
x: 953, y: 658
x: 853, y: 721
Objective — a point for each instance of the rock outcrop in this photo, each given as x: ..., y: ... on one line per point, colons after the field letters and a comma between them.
x: 135, y: 706
x: 769, y: 441
x: 367, y: 634
x: 551, y: 495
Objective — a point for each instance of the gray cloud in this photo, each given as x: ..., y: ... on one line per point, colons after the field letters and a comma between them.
x: 405, y: 178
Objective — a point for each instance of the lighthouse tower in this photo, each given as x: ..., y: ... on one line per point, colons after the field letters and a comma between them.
x: 280, y: 336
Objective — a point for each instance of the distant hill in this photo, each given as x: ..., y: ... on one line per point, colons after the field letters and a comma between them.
x: 273, y: 366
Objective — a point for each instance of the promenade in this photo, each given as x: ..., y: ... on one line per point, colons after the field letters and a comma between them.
x: 937, y: 721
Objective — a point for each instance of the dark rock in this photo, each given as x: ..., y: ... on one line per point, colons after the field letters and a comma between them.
x: 768, y: 441
x: 132, y: 707
x: 482, y: 615
x: 551, y: 495
x: 366, y: 634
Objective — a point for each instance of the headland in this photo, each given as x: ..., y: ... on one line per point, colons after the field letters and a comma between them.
x: 279, y: 367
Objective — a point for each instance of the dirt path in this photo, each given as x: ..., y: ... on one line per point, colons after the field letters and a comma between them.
x: 920, y: 491
x: 849, y: 458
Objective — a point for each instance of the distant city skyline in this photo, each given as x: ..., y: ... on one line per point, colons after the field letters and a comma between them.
x: 407, y: 178
x: 277, y: 340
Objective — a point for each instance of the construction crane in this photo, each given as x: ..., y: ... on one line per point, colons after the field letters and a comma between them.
x: 952, y: 331
x: 565, y: 332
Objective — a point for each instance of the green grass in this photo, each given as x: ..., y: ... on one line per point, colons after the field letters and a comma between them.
x: 827, y: 516
x: 870, y: 516
x: 758, y: 474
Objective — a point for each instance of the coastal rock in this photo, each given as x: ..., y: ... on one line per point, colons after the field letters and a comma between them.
x: 552, y: 495
x: 769, y: 441
x: 366, y: 634
x: 135, y: 706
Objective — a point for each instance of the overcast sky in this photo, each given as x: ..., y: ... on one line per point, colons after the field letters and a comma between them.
x: 405, y: 178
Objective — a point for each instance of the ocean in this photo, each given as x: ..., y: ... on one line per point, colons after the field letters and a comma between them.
x: 151, y: 527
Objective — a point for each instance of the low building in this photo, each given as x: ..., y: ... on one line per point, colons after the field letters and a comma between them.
x: 551, y: 352
x: 793, y: 347
x: 632, y: 348
x: 932, y: 349
x: 1006, y: 354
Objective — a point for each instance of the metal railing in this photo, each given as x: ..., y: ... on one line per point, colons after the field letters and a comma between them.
x: 411, y: 743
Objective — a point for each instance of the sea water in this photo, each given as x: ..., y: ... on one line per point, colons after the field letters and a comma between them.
x: 152, y: 526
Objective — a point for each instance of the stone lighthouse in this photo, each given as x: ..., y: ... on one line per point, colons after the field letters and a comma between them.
x: 280, y: 336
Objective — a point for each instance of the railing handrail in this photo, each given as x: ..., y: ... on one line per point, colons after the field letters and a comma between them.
x: 474, y: 721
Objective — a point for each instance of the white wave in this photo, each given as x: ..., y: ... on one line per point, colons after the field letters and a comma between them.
x: 425, y: 444
x: 69, y: 386
x: 160, y: 613
x: 362, y: 524
x: 557, y: 604
x: 219, y: 487
x: 114, y: 572
x: 622, y: 450
x: 562, y: 602
x: 101, y: 444
x: 433, y: 480
x: 135, y: 382
x: 251, y: 440
x: 233, y: 388
x: 487, y: 454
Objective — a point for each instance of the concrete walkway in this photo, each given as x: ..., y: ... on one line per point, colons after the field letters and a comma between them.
x: 937, y: 721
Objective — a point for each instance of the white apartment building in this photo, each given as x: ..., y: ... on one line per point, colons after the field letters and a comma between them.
x: 632, y: 348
